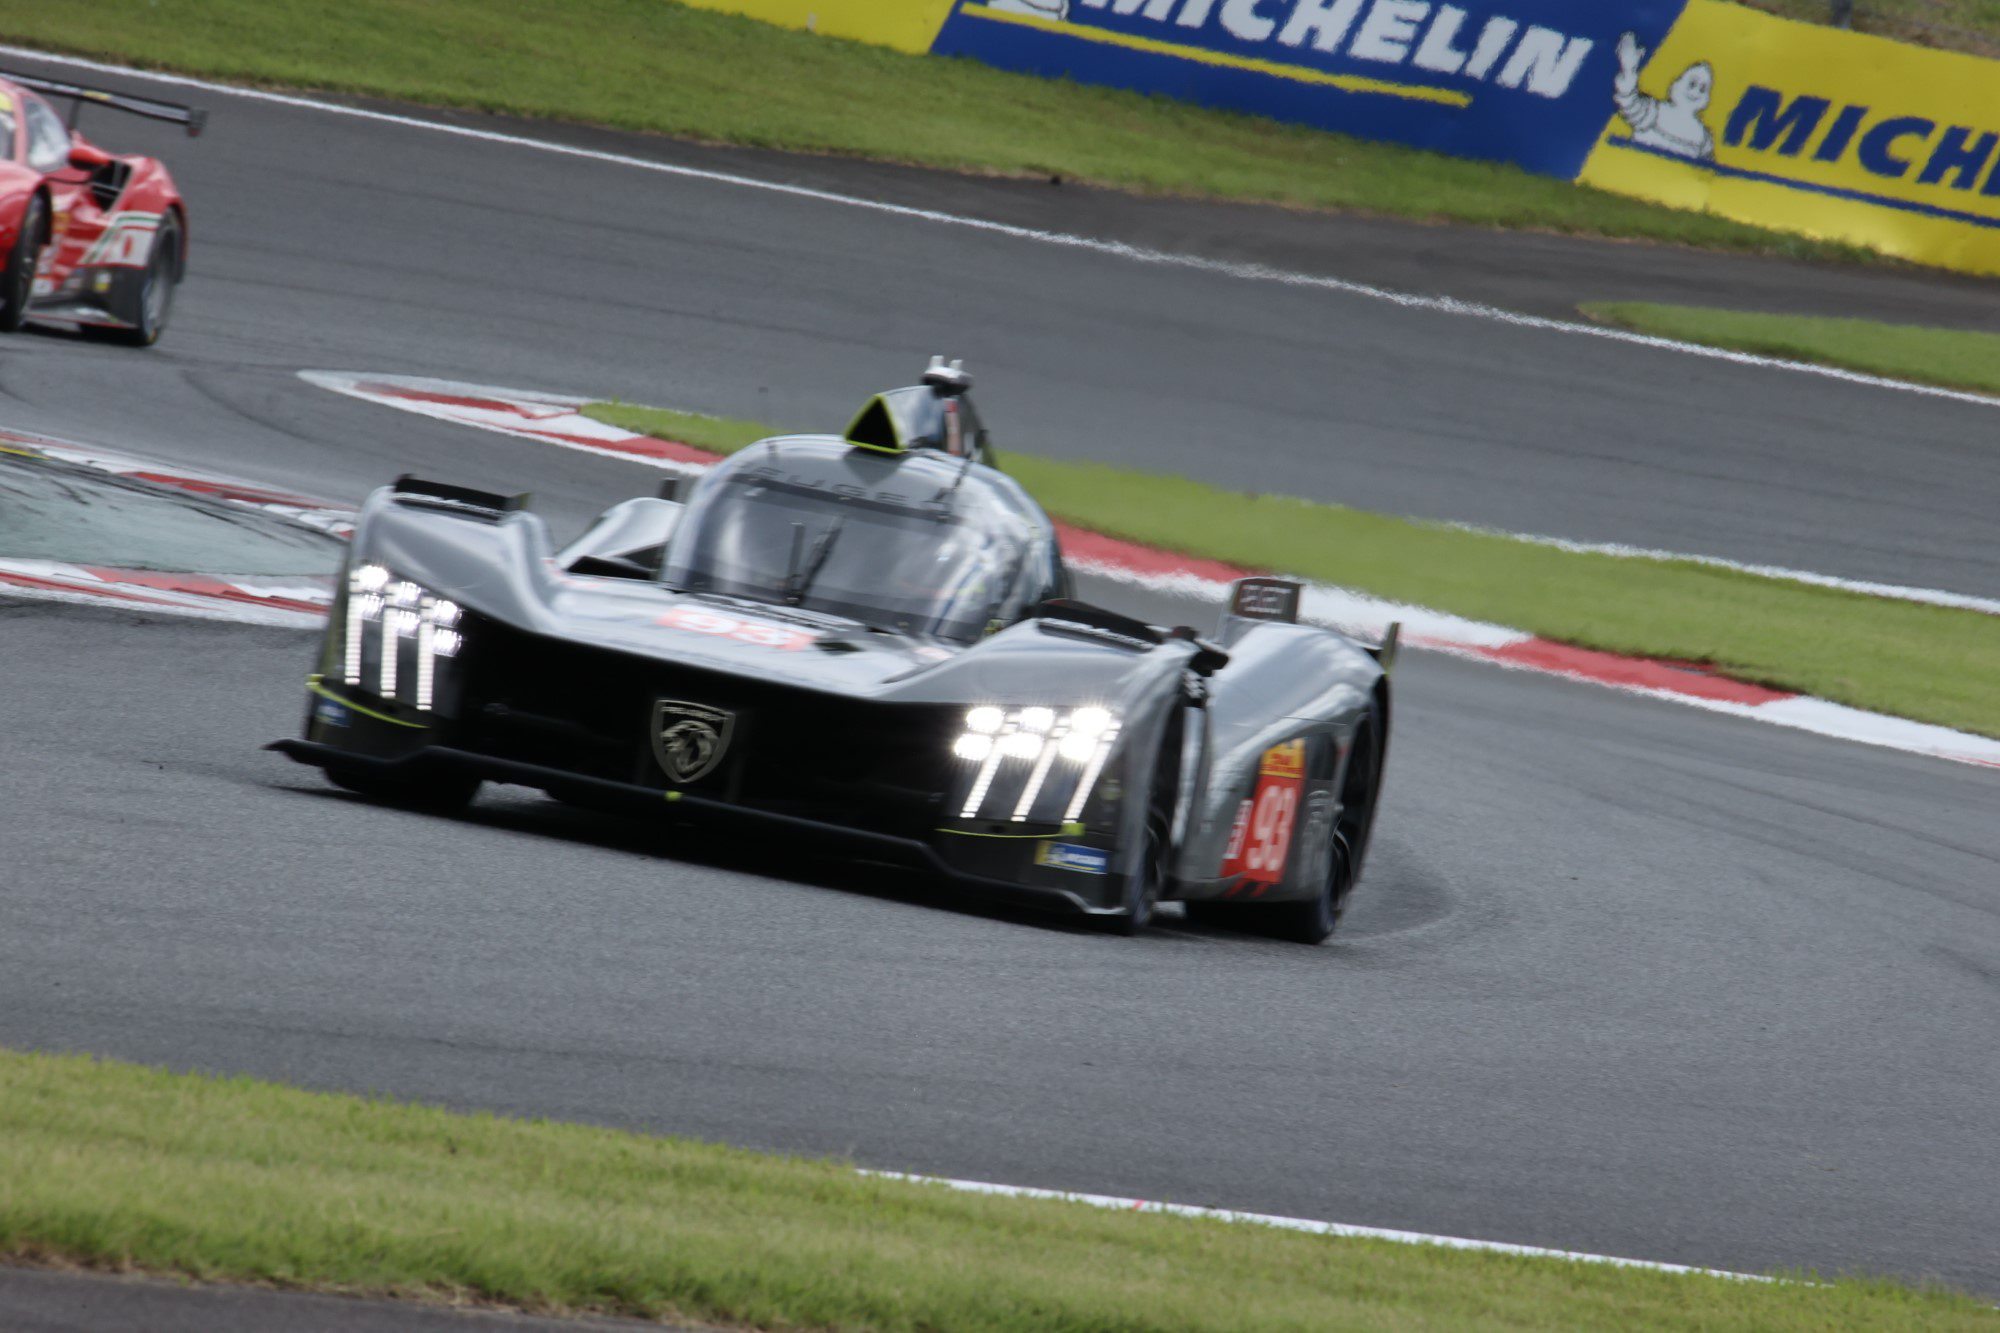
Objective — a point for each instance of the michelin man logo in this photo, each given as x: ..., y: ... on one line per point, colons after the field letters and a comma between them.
x: 1672, y: 124
x: 1047, y: 9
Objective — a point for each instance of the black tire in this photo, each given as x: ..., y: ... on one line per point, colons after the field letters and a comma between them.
x: 1142, y: 890
x: 153, y: 302
x: 1149, y: 879
x: 17, y: 282
x: 437, y: 793
x: 1312, y: 920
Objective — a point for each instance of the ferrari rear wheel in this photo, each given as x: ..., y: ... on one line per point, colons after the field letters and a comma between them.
x: 17, y: 284
x: 437, y: 793
x: 155, y: 298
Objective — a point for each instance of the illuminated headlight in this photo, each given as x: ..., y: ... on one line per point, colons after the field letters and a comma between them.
x: 985, y: 721
x: 399, y: 629
x: 1077, y: 747
x: 1059, y: 753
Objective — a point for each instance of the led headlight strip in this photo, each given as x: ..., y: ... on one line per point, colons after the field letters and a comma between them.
x: 403, y: 613
x: 1078, y: 740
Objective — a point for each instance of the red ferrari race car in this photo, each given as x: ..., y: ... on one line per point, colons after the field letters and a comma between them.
x: 91, y: 238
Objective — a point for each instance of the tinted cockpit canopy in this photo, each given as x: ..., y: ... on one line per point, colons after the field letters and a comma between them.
x: 914, y: 542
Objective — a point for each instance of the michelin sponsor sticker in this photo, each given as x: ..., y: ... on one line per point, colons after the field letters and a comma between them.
x: 1069, y: 856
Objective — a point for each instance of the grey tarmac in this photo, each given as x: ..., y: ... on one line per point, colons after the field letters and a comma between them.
x: 343, y: 244
x: 1624, y: 977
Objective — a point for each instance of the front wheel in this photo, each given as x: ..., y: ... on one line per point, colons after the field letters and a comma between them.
x: 436, y: 793
x: 17, y: 281
x: 1142, y: 890
x: 1310, y: 922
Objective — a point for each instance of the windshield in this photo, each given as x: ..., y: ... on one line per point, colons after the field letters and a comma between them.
x: 922, y: 567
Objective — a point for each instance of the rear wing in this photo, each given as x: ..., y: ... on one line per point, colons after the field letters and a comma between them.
x: 1262, y: 599
x: 77, y: 94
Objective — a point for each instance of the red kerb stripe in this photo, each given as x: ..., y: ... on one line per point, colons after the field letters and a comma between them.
x: 1096, y: 548
x: 1633, y: 672
x: 224, y: 490
x: 201, y: 585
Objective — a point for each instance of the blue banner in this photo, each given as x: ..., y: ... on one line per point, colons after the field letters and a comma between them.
x: 1522, y: 82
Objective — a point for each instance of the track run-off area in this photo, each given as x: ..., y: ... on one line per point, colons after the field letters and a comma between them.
x: 1623, y: 977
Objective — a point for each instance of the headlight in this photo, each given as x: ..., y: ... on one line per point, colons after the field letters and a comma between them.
x: 396, y: 633
x: 1054, y: 754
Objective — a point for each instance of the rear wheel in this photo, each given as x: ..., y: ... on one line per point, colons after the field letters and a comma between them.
x: 154, y: 301
x: 437, y: 793
x: 17, y: 282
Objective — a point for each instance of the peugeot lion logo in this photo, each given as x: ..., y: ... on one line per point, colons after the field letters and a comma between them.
x: 689, y: 740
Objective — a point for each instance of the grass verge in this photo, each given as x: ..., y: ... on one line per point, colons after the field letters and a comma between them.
x: 1955, y: 25
x: 117, y: 1166
x: 1925, y: 662
x: 654, y: 65
x: 1953, y: 358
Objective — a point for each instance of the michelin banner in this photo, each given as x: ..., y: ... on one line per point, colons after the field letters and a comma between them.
x: 1812, y: 130
x: 1513, y: 80
x: 1698, y: 104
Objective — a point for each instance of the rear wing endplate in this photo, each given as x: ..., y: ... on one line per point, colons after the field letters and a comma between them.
x: 77, y: 94
x: 1385, y: 651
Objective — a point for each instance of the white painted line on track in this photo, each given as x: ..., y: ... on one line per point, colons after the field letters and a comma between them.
x: 554, y: 418
x: 1340, y: 1229
x: 1116, y: 249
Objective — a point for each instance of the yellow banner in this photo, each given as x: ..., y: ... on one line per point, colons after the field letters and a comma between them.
x: 906, y: 25
x: 1812, y: 130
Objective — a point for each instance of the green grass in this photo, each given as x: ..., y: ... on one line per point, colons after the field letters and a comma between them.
x: 1925, y: 662
x: 116, y: 1166
x: 654, y: 65
x: 1961, y: 25
x: 1953, y: 358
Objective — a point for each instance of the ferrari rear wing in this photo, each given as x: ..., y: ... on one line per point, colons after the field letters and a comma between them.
x: 76, y: 94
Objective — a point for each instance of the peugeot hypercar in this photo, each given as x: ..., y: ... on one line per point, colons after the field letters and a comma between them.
x: 868, y: 637
x: 89, y: 238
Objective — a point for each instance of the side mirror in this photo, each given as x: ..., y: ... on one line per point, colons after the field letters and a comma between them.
x: 88, y: 157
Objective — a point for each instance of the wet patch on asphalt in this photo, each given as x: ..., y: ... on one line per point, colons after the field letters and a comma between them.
x: 51, y: 509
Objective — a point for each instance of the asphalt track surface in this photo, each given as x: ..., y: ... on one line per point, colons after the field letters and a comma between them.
x: 1624, y: 977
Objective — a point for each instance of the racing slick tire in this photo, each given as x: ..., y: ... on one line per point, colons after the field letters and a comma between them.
x: 1312, y: 920
x: 152, y: 300
x: 436, y: 793
x: 17, y: 282
x: 1149, y: 880
x: 1142, y: 891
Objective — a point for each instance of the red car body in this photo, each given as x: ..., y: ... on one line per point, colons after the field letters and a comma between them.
x: 89, y: 238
